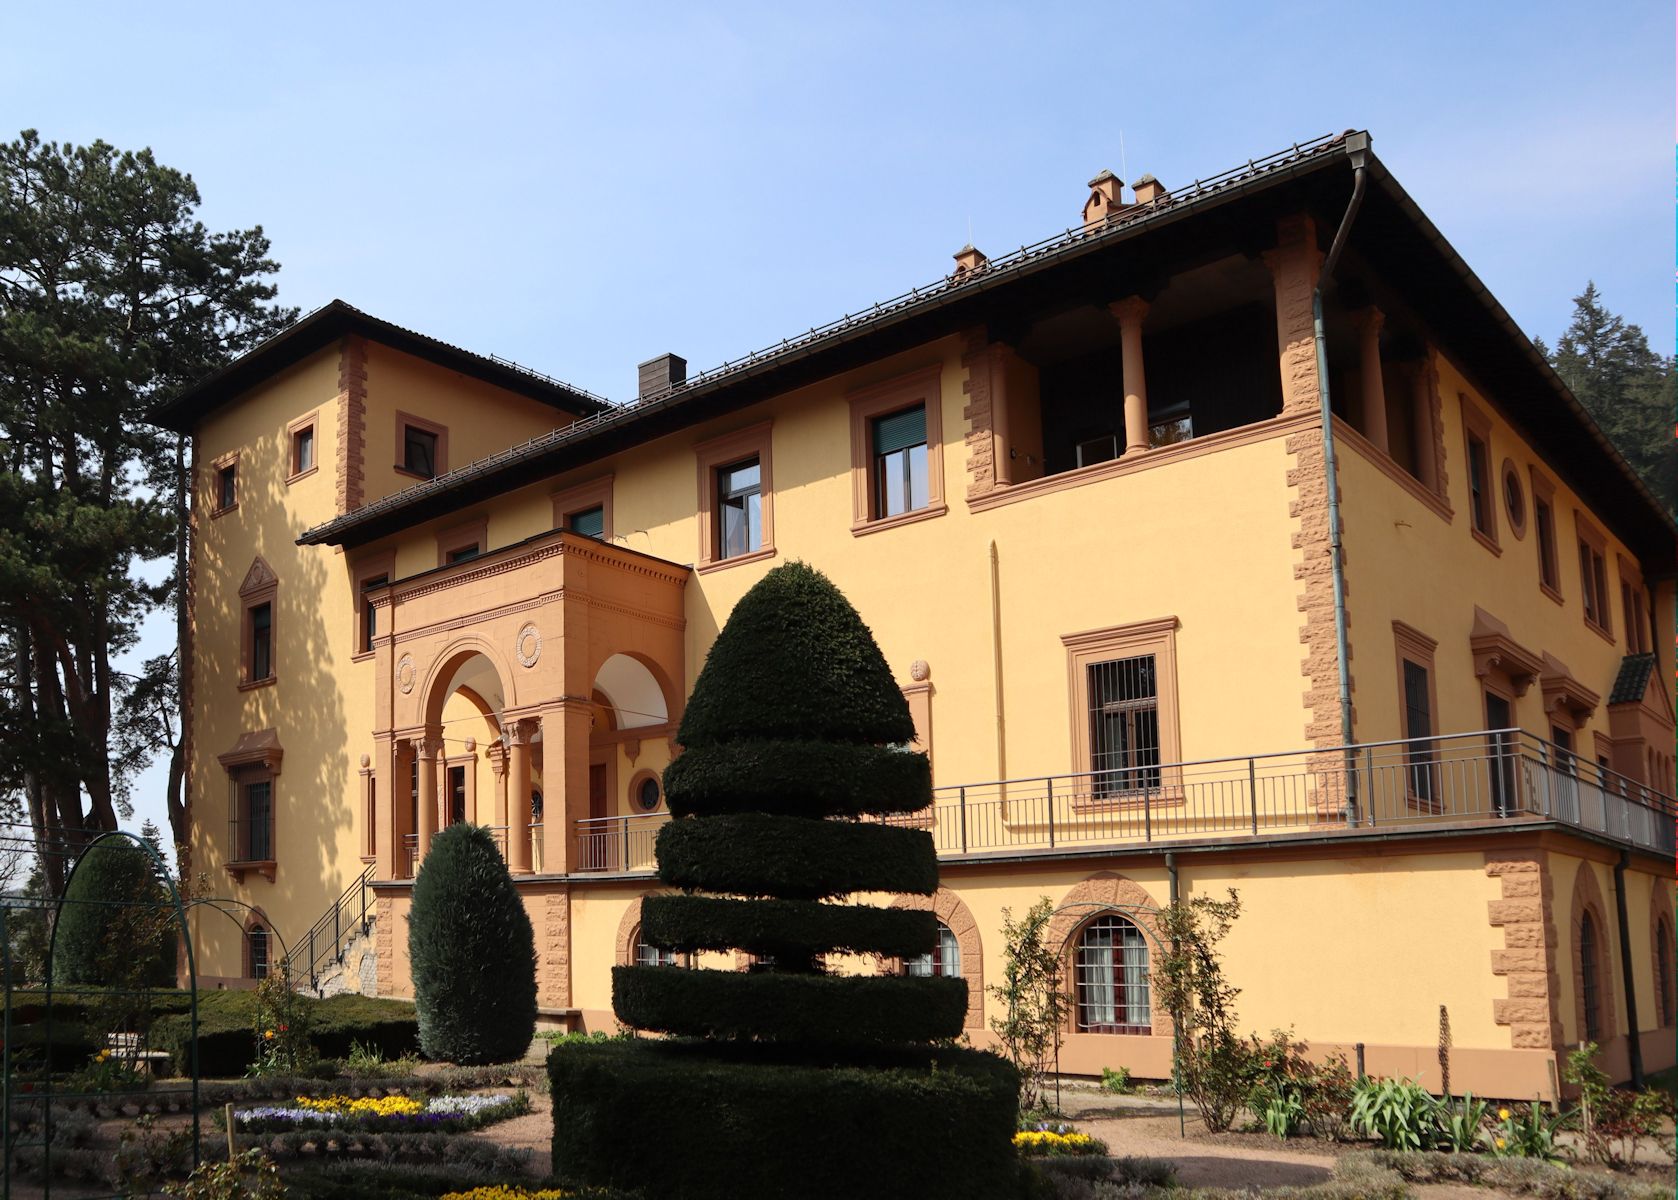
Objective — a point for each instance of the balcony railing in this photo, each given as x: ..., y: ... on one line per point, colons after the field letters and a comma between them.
x: 1485, y: 778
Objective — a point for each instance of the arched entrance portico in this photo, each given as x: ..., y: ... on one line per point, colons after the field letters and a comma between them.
x: 517, y: 674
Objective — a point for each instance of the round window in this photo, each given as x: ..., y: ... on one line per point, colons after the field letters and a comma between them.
x: 1514, y: 499
x: 647, y: 794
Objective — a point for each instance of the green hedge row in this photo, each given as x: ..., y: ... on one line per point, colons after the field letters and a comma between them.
x: 759, y: 854
x: 811, y: 779
x: 227, y: 1041
x: 785, y: 929
x: 794, y: 660
x: 813, y: 1009
x: 81, y: 1003
x: 687, y: 1123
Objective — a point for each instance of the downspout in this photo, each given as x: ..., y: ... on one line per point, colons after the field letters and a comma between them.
x: 996, y: 667
x: 1634, y: 1043
x: 1357, y: 150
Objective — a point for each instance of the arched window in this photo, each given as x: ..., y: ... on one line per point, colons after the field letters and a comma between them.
x: 256, y: 942
x: 1111, y: 976
x: 1664, y: 982
x: 654, y: 956
x: 1589, y: 986
x: 945, y: 958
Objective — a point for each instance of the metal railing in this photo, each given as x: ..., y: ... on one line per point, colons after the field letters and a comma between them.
x: 618, y: 844
x: 1484, y: 778
x: 348, y: 916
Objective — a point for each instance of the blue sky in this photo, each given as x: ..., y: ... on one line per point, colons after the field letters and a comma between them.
x: 580, y: 187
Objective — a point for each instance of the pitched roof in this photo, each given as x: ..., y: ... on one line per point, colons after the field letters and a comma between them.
x: 337, y: 319
x: 1390, y: 232
x: 1633, y: 679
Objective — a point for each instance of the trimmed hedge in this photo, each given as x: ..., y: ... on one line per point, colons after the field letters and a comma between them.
x: 794, y: 660
x: 812, y: 1009
x: 472, y: 952
x: 932, y: 1124
x: 227, y: 1043
x: 786, y: 929
x: 810, y: 779
x: 762, y: 854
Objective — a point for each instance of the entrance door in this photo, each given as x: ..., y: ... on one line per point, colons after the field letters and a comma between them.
x: 1502, y: 750
x: 597, y: 853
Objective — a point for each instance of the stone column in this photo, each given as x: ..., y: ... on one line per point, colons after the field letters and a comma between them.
x: 1422, y: 380
x: 565, y: 752
x: 519, y: 734
x: 1369, y: 322
x: 1130, y: 313
x: 430, y: 748
x: 1294, y: 264
x: 498, y: 764
x: 387, y: 836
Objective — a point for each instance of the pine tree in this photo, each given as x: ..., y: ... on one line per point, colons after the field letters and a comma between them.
x: 1627, y: 388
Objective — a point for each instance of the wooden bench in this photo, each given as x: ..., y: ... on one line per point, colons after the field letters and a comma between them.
x: 131, y: 1048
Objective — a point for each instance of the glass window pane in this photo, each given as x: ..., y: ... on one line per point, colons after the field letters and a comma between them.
x: 305, y: 449
x: 918, y: 495
x: 591, y: 522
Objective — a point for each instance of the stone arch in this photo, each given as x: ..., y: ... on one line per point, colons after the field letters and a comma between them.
x: 1661, y: 934
x: 638, y: 689
x: 1587, y: 898
x: 629, y: 932
x: 953, y: 912
x: 1096, y: 896
x: 436, y: 686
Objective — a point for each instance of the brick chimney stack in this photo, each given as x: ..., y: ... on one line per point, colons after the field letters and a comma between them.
x: 1106, y: 199
x: 969, y: 260
x: 1148, y: 189
x: 667, y: 370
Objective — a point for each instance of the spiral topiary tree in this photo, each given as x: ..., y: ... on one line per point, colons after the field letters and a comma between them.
x: 472, y: 951
x: 794, y: 740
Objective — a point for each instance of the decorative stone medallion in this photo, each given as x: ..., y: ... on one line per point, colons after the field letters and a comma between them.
x: 919, y: 671
x: 528, y: 644
x: 405, y: 674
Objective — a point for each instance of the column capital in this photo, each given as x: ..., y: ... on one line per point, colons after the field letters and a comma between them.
x: 1129, y: 311
x: 1369, y: 319
x: 522, y: 731
x: 429, y: 747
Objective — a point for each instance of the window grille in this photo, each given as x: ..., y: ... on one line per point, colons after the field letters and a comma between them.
x: 1588, y: 983
x: 654, y: 956
x: 259, y: 814
x: 1124, y: 725
x: 944, y: 959
x: 1112, y: 977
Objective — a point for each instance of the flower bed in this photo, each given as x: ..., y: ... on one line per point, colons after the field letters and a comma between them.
x: 382, y: 1114
x: 1056, y: 1141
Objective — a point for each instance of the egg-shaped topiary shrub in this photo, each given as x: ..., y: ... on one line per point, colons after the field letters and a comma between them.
x: 472, y: 952
x: 117, y: 925
x: 789, y: 1079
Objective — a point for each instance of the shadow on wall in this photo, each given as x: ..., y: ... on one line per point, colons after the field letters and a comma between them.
x: 314, y: 823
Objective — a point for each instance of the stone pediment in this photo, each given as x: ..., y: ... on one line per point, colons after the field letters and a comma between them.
x: 259, y: 577
x: 1494, y: 649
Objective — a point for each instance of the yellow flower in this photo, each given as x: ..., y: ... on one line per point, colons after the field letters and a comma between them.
x: 103, y: 1055
x: 267, y: 1035
x: 1501, y: 1143
x: 1503, y: 1114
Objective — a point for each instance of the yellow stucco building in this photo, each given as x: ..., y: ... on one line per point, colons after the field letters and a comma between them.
x: 1082, y: 496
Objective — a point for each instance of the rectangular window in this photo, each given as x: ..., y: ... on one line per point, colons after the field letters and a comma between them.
x: 372, y: 823
x: 590, y: 522
x: 739, y: 509
x: 1124, y: 726
x: 457, y: 795
x: 462, y: 553
x: 900, y: 462
x: 303, y: 450
x: 262, y: 642
x: 369, y: 614
x: 1593, y: 583
x: 258, y: 841
x: 1545, y: 517
x: 227, y: 487
x: 1418, y: 728
x: 1479, y: 485
x: 1504, y: 750
x: 1170, y: 426
x: 419, y: 451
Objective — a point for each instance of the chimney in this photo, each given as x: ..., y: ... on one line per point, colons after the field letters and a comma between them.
x: 667, y: 370
x: 1148, y: 189
x: 1106, y: 199
x: 969, y: 260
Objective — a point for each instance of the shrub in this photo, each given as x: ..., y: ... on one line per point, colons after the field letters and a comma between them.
x: 116, y: 926
x: 797, y: 777
x: 1526, y: 1133
x: 1613, y: 1121
x: 1400, y: 1113
x: 280, y: 1027
x: 252, y: 1176
x: 1212, y: 1063
x: 1034, y: 1005
x: 733, y: 1122
x: 1116, y: 1081
x: 795, y: 858
x: 1462, y: 1124
x: 784, y: 928
x: 472, y: 952
x: 227, y: 1044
